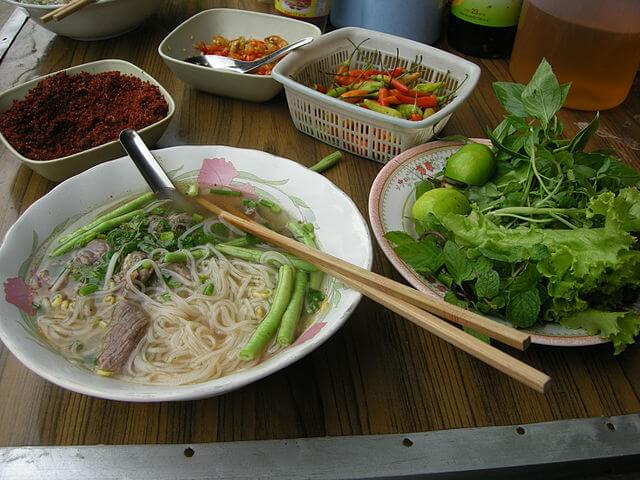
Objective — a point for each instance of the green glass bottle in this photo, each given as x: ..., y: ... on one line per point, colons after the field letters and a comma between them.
x: 483, y: 28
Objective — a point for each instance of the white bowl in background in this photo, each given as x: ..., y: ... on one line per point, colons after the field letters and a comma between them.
x: 65, y: 167
x: 98, y: 21
x: 302, y: 193
x: 230, y: 23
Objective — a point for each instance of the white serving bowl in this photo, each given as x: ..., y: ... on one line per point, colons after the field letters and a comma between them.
x: 101, y: 20
x: 230, y: 23
x: 65, y: 167
x: 302, y: 193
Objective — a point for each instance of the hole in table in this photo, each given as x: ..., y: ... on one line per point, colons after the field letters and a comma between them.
x: 189, y: 452
x: 407, y: 442
x: 611, y: 426
x: 520, y: 430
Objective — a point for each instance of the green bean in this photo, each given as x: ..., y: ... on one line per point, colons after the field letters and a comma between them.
x: 268, y: 327
x: 243, y: 241
x: 180, y: 256
x: 254, y: 256
x: 300, y: 232
x: 121, y: 210
x: 327, y: 162
x: 274, y: 207
x: 224, y: 191
x: 291, y: 315
x: 84, y: 238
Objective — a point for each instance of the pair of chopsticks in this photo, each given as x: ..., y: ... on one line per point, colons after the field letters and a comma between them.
x: 65, y: 10
x: 411, y: 304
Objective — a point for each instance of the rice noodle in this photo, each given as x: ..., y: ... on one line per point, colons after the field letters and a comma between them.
x: 191, y: 337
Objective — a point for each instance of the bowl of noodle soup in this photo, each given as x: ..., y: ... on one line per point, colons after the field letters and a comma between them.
x: 113, y: 294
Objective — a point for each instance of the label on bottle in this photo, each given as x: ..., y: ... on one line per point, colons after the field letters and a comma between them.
x: 304, y: 8
x: 490, y: 13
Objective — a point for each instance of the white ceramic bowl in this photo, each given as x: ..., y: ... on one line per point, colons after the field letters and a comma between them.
x: 303, y: 194
x: 229, y: 23
x: 65, y: 167
x: 98, y: 21
x: 390, y: 200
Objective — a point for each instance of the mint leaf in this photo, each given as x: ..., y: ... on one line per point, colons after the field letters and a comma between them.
x: 527, y: 280
x: 399, y: 238
x: 422, y: 256
x: 543, y: 96
x: 454, y: 300
x: 523, y: 308
x: 488, y: 284
x: 478, y: 335
x: 457, y: 263
x: 510, y: 96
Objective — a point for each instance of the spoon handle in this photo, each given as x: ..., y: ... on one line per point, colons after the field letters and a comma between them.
x: 149, y: 167
x: 279, y: 53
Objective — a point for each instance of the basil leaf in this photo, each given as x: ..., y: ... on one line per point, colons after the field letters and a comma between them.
x: 543, y: 96
x: 582, y: 137
x: 523, y: 308
x: 510, y: 96
x: 454, y: 300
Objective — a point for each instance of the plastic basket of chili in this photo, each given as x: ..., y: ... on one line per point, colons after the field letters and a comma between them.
x: 351, y: 127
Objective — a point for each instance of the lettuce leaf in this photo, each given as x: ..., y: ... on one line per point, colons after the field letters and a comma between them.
x: 619, y: 327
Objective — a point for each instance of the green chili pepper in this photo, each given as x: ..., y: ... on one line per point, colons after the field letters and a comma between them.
x: 428, y: 87
x: 407, y: 110
x: 376, y: 107
x: 337, y: 91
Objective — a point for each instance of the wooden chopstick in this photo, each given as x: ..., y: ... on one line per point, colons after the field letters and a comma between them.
x: 330, y: 264
x: 65, y: 10
x: 367, y: 283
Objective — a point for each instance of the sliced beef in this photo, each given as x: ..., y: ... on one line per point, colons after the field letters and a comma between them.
x: 128, y: 326
x: 142, y: 274
x: 90, y: 254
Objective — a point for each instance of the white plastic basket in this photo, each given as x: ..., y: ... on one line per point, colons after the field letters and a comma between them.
x: 358, y: 130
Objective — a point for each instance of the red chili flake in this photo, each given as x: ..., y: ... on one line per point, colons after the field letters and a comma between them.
x: 66, y: 114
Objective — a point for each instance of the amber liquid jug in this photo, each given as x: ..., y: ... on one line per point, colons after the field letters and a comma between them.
x: 594, y: 44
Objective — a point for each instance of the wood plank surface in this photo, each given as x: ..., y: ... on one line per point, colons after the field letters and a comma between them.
x: 378, y: 374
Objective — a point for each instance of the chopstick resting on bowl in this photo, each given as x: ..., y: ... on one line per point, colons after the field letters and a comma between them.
x: 65, y: 10
x: 406, y: 301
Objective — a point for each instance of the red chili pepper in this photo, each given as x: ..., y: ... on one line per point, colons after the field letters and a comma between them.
x: 393, y: 100
x: 355, y: 73
x: 383, y: 93
x: 399, y: 85
x: 370, y: 73
x: 396, y: 72
x: 344, y: 80
x: 351, y: 99
x: 422, y: 102
x: 416, y: 117
x: 319, y: 88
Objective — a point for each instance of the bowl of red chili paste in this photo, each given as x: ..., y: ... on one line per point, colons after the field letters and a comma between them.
x: 68, y: 121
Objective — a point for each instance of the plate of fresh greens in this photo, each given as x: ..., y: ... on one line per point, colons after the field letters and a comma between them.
x: 526, y: 227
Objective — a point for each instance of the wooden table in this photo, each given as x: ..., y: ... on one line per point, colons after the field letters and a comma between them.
x: 378, y: 374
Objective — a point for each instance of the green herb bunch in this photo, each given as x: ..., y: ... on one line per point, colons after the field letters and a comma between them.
x: 553, y: 236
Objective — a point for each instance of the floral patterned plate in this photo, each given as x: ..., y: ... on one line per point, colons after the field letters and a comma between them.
x: 390, y: 201
x: 302, y: 193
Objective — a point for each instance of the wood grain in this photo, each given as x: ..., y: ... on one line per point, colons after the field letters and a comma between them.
x: 379, y: 373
